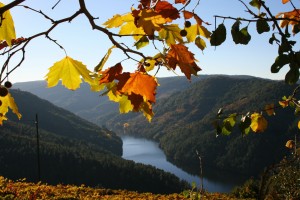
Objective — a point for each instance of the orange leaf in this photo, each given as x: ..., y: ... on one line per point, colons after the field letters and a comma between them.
x: 188, y: 14
x: 285, y: 1
x: 290, y: 144
x: 284, y: 103
x: 295, y: 15
x: 181, y: 56
x: 139, y: 84
x: 110, y: 74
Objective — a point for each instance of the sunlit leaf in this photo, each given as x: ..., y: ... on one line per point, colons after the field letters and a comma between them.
x: 294, y: 15
x: 125, y: 105
x: 70, y: 72
x: 179, y: 55
x: 298, y: 124
x: 103, y: 60
x: 7, y: 29
x: 258, y: 123
x: 114, y: 22
x: 142, y: 42
x: 171, y: 34
x: 8, y: 102
x: 285, y: 1
x: 284, y: 103
x: 290, y: 144
x: 138, y: 83
x: 111, y: 73
x: 200, y: 43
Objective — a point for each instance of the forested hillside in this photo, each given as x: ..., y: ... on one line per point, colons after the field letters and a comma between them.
x: 72, y: 151
x: 184, y: 115
x: 183, y: 124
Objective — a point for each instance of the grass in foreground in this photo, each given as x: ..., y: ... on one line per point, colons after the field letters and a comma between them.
x: 25, y: 190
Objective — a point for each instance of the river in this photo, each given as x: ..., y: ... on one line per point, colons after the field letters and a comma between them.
x: 145, y: 151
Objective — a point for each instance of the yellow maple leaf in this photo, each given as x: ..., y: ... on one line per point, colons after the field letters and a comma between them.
x: 8, y: 102
x: 7, y: 29
x: 125, y: 105
x: 69, y: 71
x: 258, y: 123
x: 171, y: 34
x: 114, y: 22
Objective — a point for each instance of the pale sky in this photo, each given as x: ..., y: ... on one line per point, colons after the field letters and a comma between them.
x: 88, y: 46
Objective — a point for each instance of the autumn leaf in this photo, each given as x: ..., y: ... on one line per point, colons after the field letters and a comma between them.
x: 258, y: 123
x: 179, y: 55
x: 166, y: 10
x: 290, y: 144
x: 103, y: 60
x: 138, y: 83
x: 126, y: 24
x: 270, y: 109
x: 181, y: 1
x: 295, y: 15
x: 125, y: 105
x: 284, y: 103
x: 285, y: 1
x: 142, y: 42
x: 149, y: 20
x: 7, y: 29
x: 8, y: 102
x: 171, y: 34
x: 69, y: 71
x: 111, y: 73
x: 298, y: 124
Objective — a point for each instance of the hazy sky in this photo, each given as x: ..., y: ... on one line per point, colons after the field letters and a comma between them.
x: 88, y: 46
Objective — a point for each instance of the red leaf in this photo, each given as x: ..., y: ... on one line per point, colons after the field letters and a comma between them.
x: 181, y: 1
x: 111, y: 73
x: 166, y: 9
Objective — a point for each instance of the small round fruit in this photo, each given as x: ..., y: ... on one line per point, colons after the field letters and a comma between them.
x: 183, y: 33
x: 3, y: 91
x: 187, y: 24
x: 147, y: 64
x: 8, y: 84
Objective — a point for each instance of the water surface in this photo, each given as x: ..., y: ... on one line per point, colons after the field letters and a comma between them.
x: 145, y: 151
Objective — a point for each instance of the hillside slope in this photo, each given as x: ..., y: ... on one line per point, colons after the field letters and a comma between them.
x: 72, y: 151
x: 183, y: 124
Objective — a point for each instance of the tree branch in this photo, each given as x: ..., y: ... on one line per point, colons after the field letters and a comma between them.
x: 10, y: 5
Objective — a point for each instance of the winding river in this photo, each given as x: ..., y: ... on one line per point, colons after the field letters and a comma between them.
x: 145, y: 151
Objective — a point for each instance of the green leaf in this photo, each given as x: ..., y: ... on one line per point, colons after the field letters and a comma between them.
x: 200, y: 43
x: 228, y: 124
x: 245, y: 125
x: 280, y: 61
x: 144, y: 41
x: 262, y: 26
x: 255, y: 3
x: 218, y: 36
x: 245, y: 36
x: 240, y: 36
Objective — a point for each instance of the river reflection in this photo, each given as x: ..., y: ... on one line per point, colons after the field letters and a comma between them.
x: 148, y: 152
